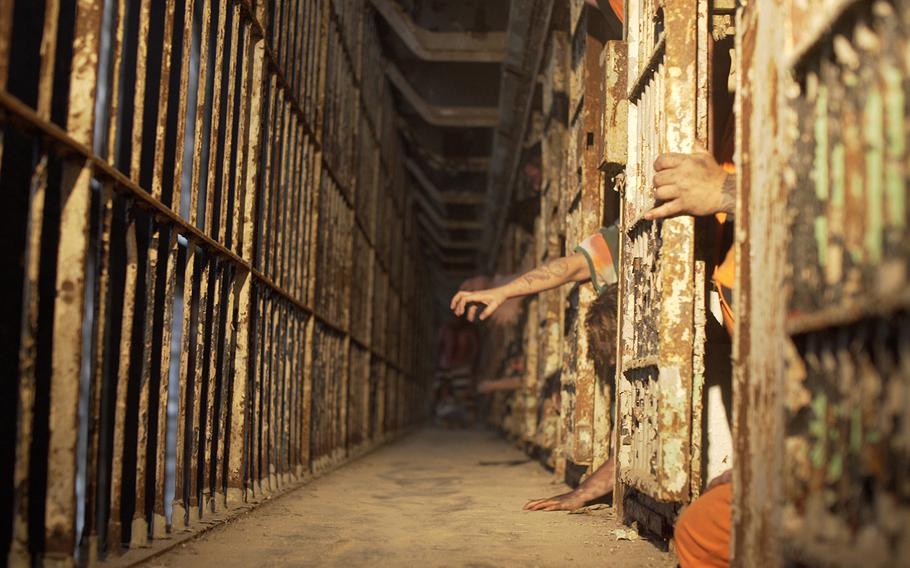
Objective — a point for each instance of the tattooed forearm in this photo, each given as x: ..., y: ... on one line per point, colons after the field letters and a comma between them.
x: 728, y: 195
x: 536, y: 274
x: 558, y: 267
x: 553, y: 270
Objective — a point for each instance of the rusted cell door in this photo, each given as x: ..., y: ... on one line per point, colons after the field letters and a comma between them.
x: 660, y: 286
x: 582, y: 202
x: 827, y: 387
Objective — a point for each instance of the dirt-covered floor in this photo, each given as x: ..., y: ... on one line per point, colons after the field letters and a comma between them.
x: 435, y: 498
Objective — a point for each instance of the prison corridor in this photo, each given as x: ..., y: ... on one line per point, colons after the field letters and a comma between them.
x: 433, y: 498
x: 244, y: 242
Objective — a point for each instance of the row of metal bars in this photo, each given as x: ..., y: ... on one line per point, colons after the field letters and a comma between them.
x: 183, y: 211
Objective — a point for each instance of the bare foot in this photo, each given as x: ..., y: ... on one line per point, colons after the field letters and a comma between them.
x: 565, y: 502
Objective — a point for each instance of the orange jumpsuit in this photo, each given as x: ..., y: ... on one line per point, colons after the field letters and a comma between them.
x: 702, y: 532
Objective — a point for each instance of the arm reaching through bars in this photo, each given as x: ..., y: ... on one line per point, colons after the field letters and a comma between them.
x: 573, y: 268
x: 598, y: 485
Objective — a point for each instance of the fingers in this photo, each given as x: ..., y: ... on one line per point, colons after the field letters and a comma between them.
x: 665, y: 177
x: 455, y: 299
x: 543, y: 505
x: 460, y: 304
x: 669, y: 160
x: 669, y: 209
x: 667, y: 192
x: 471, y: 312
x: 461, y: 301
x: 488, y: 311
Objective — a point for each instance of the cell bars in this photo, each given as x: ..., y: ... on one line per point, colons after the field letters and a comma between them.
x: 204, y: 296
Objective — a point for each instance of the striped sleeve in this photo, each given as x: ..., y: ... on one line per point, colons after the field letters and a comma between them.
x: 601, y: 251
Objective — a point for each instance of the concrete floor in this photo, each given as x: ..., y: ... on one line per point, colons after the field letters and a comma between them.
x: 435, y: 498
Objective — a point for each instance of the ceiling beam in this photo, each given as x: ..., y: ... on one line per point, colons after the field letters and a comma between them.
x: 447, y: 197
x: 488, y: 47
x: 449, y: 258
x: 441, y: 115
x: 441, y: 162
x: 448, y: 224
x: 444, y: 242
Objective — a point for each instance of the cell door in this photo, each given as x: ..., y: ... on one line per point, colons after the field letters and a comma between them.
x: 660, y: 286
x: 847, y: 448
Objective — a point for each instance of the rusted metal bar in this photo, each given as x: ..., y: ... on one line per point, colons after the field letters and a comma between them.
x: 28, y: 363
x: 256, y: 451
x: 201, y: 93
x: 149, y: 236
x: 163, y: 100
x: 96, y: 389
x: 267, y: 398
x: 285, y: 400
x: 142, y: 71
x: 160, y: 524
x: 228, y: 342
x: 306, y: 454
x: 242, y: 423
x: 182, y: 468
x: 209, y: 419
x: 115, y: 529
x: 214, y: 111
x: 228, y: 145
x: 757, y: 339
x: 60, y: 511
x: 6, y: 24
x: 241, y: 148
x: 48, y: 50
x: 194, y: 503
x: 183, y: 104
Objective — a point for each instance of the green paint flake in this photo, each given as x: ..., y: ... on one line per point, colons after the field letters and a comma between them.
x: 820, y: 413
x: 821, y: 143
x: 835, y: 467
x: 838, y: 176
x: 894, y: 182
x: 873, y: 124
x: 821, y: 238
x: 818, y: 430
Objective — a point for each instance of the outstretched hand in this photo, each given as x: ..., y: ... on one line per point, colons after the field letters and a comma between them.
x: 691, y: 184
x: 469, y: 301
x: 565, y: 502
